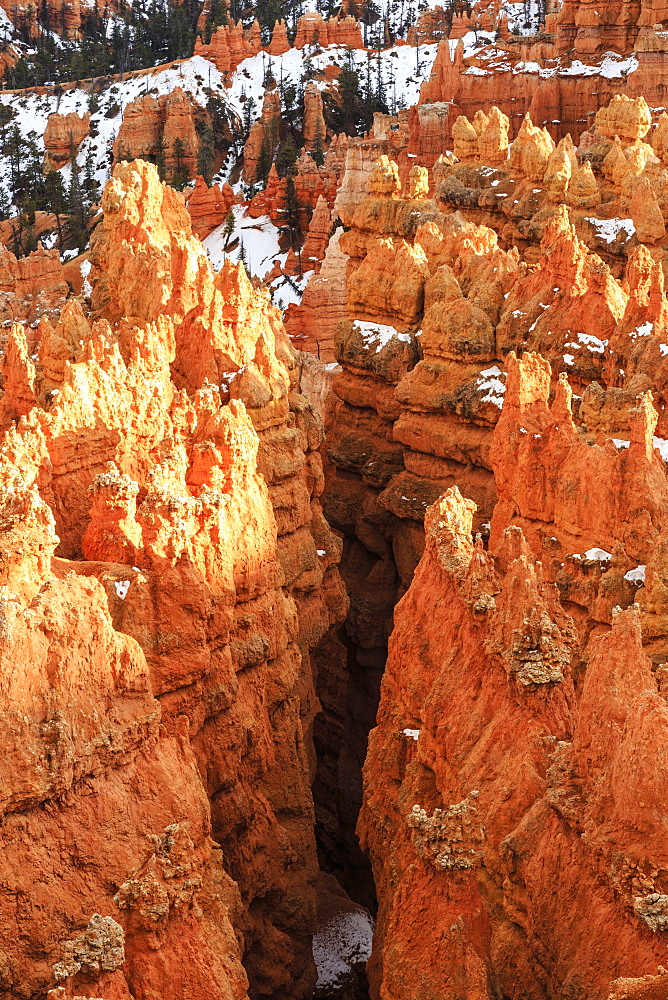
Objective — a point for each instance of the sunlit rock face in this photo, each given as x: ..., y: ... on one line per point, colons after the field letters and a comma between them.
x: 167, y: 571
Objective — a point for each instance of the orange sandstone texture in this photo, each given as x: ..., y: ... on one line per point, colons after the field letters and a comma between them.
x: 209, y: 206
x: 167, y: 571
x: 515, y: 789
x: 63, y: 135
x: 434, y: 307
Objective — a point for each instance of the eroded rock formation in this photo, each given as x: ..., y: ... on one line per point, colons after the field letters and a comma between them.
x: 62, y: 137
x: 501, y: 770
x: 166, y: 572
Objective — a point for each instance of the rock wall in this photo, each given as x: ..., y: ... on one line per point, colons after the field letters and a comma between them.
x: 434, y: 308
x: 64, y: 134
x: 513, y: 789
x: 158, y: 787
x: 149, y: 121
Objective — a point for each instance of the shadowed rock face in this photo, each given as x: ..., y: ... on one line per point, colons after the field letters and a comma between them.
x: 158, y: 693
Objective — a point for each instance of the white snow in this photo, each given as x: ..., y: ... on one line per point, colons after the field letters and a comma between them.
x: 121, y: 587
x: 636, y: 575
x: 663, y: 350
x: 259, y: 238
x: 376, y: 336
x: 569, y: 358
x: 610, y: 229
x: 413, y: 733
x: 592, y: 343
x: 614, y: 65
x: 85, y: 271
x: 343, y: 942
x: 644, y: 330
x: 489, y: 382
x: 288, y: 289
x: 599, y: 554
x: 620, y: 443
x: 578, y: 68
x: 527, y: 67
x: 661, y: 446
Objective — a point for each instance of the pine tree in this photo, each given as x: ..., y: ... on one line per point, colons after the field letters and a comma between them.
x: 160, y: 156
x: 91, y: 187
x: 264, y: 161
x: 243, y: 258
x: 318, y: 151
x: 291, y: 211
x: 56, y: 200
x: 207, y: 152
x: 180, y: 174
x: 228, y: 229
x: 76, y: 208
x: 286, y: 156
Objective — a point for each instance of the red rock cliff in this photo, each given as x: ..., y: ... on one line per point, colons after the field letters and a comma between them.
x: 514, y: 786
x: 161, y: 448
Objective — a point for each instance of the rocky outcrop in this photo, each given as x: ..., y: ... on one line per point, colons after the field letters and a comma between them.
x: 153, y: 124
x: 317, y: 238
x: 591, y: 30
x: 313, y: 323
x: 264, y: 134
x: 314, y: 122
x: 434, y: 309
x: 229, y: 45
x: 62, y: 137
x: 30, y: 287
x: 314, y: 29
x: 279, y: 43
x: 167, y: 456
x: 209, y: 206
x: 527, y: 666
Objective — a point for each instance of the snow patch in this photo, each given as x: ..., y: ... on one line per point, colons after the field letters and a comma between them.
x: 599, y: 554
x: 85, y: 271
x: 644, y: 330
x: 610, y: 229
x: 342, y: 943
x: 592, y: 343
x: 121, y: 587
x: 489, y: 382
x: 376, y: 336
x: 661, y: 446
x: 413, y: 733
x: 636, y: 575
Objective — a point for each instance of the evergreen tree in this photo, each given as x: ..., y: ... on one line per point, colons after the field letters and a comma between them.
x: 160, y: 157
x: 243, y: 258
x: 180, y: 174
x: 290, y: 220
x: 56, y: 200
x: 76, y: 208
x: 91, y: 187
x: 228, y: 229
x: 286, y: 156
x: 318, y: 151
x: 264, y: 161
x: 249, y: 116
x: 207, y: 151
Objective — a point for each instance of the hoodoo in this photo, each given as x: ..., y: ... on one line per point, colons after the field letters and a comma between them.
x: 334, y: 501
